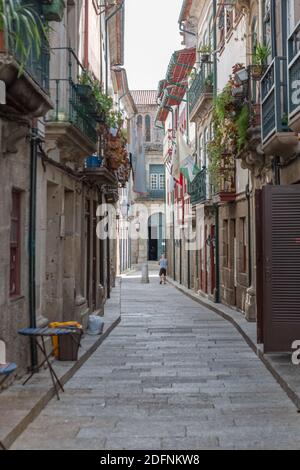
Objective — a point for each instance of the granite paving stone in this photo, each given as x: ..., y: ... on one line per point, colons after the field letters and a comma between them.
x: 172, y: 375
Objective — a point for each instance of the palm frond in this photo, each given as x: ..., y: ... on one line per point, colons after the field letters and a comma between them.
x: 23, y: 28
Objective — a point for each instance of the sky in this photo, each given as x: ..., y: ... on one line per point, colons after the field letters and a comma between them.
x: 151, y: 36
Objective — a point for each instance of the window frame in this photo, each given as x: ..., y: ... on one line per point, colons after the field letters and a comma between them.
x: 154, y: 177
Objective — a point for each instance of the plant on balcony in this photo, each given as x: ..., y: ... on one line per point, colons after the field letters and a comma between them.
x: 208, y: 82
x: 116, y: 151
x: 205, y: 53
x: 193, y: 74
x: 84, y: 86
x: 239, y: 81
x: 21, y: 30
x: 260, y: 60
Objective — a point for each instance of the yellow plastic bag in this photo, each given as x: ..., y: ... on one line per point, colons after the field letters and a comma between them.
x: 61, y: 325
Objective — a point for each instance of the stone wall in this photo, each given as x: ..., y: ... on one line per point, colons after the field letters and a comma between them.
x: 14, y: 311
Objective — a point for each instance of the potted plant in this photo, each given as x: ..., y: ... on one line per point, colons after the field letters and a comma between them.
x: 242, y: 76
x: 53, y: 10
x: 21, y: 30
x: 260, y: 60
x: 205, y: 53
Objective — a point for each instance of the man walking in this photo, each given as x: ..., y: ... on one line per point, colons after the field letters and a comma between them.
x: 163, y: 263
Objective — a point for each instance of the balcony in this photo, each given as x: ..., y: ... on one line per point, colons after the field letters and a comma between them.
x: 200, y: 93
x: 95, y: 172
x: 198, y: 188
x: 71, y: 124
x: 27, y: 84
x: 294, y: 79
x: 277, y: 138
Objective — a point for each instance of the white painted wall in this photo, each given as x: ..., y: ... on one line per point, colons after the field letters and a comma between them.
x: 233, y: 53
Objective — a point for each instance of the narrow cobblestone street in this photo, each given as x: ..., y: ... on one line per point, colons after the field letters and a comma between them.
x: 172, y: 375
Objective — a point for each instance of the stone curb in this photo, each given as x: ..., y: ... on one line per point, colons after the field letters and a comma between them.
x: 288, y: 389
x: 9, y: 439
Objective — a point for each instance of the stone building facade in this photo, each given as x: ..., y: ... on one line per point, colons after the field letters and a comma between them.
x: 148, y: 184
x: 53, y: 266
x: 244, y: 205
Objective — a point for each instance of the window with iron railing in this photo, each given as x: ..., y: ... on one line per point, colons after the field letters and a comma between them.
x: 71, y: 104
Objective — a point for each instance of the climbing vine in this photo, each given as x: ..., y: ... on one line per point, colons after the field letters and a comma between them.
x: 230, y: 123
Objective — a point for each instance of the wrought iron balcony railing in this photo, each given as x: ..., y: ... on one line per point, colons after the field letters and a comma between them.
x: 156, y: 193
x: 153, y: 194
x: 274, y: 99
x: 198, y: 188
x: 201, y: 85
x: 65, y: 93
x: 294, y: 71
x: 224, y: 181
x: 37, y: 63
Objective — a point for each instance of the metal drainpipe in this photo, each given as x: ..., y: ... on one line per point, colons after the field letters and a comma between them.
x: 34, y: 142
x: 217, y: 254
x: 217, y: 221
x: 171, y: 110
x: 120, y: 7
x: 181, y: 27
x: 248, y: 196
x: 174, y: 252
x: 273, y: 24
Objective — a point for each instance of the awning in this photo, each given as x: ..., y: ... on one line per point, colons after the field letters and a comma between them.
x: 171, y: 91
x: 162, y: 114
x: 180, y: 65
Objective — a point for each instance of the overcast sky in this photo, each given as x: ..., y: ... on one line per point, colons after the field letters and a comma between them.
x: 152, y: 34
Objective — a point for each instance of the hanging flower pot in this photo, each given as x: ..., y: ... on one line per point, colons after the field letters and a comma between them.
x: 257, y: 71
x: 53, y: 10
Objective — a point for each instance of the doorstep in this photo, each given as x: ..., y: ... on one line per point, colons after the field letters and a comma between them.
x: 20, y: 405
x: 280, y: 365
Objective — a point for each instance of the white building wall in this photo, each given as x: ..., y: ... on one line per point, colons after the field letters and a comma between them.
x: 233, y: 53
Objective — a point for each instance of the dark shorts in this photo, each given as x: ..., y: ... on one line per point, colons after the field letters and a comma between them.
x: 163, y: 272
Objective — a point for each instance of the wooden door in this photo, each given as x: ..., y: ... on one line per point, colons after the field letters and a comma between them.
x: 281, y: 267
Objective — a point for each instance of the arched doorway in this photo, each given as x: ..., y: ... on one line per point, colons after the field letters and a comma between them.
x: 156, y: 236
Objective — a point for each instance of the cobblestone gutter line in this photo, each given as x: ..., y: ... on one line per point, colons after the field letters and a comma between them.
x: 288, y: 381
